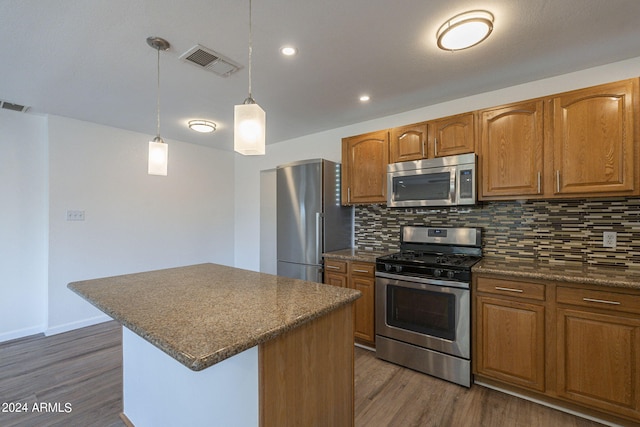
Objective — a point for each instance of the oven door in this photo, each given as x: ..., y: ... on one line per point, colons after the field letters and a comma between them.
x: 433, y: 316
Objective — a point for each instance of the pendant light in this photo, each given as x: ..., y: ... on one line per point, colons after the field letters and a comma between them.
x: 158, y: 149
x: 249, y: 119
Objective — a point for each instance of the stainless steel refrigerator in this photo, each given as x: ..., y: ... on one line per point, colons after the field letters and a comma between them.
x: 310, y: 219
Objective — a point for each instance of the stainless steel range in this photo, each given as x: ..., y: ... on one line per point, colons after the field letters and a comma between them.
x: 423, y: 301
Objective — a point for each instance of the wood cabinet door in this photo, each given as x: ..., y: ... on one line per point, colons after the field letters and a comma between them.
x: 598, y: 360
x: 452, y: 135
x: 511, y: 151
x: 335, y: 279
x: 364, y: 168
x: 593, y: 140
x: 364, y: 309
x: 408, y: 143
x: 510, y: 341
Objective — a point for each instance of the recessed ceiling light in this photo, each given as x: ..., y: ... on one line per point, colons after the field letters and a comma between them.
x: 465, y: 30
x: 202, y: 126
x: 364, y: 98
x: 288, y: 50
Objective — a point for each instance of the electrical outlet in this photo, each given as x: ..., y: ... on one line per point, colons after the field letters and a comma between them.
x: 609, y: 239
x: 75, y: 215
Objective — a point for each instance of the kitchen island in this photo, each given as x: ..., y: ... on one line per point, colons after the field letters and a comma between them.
x: 214, y: 345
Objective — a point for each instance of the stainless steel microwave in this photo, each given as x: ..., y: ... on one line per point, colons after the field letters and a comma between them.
x: 444, y: 181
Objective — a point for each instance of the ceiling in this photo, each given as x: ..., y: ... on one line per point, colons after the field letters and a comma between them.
x: 89, y: 60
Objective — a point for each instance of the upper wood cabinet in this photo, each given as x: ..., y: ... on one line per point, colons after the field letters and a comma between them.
x: 511, y: 148
x: 437, y: 138
x: 408, y: 143
x: 594, y: 140
x: 364, y: 168
x: 452, y: 135
x: 582, y: 143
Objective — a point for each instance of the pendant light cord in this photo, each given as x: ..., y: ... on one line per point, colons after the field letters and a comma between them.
x: 158, y: 95
x: 250, y: 48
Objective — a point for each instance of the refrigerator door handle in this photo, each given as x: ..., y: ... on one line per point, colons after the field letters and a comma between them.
x: 319, y: 216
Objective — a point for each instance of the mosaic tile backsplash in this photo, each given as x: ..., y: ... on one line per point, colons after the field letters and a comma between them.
x: 557, y: 232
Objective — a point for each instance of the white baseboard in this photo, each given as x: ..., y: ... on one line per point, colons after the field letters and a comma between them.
x: 550, y: 405
x: 76, y: 325
x: 21, y: 333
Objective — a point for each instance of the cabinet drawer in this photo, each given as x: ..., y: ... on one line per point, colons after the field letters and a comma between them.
x: 599, y: 299
x: 334, y: 266
x: 363, y: 269
x: 511, y: 288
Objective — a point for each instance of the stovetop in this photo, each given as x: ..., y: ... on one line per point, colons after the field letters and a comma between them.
x: 434, y: 253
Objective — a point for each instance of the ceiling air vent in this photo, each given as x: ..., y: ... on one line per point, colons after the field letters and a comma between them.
x: 209, y: 60
x: 13, y: 107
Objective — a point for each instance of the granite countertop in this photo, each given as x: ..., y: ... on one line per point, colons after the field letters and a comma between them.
x: 354, y: 255
x: 205, y: 313
x: 580, y: 274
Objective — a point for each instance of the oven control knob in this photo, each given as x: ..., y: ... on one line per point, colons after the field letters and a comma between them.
x: 387, y: 267
x: 398, y: 268
x: 451, y: 274
x: 437, y: 272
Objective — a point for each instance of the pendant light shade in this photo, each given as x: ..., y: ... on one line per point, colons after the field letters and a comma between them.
x: 158, y: 149
x: 249, y: 128
x: 158, y: 156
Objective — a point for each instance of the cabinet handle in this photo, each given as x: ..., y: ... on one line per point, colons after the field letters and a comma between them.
x: 435, y: 147
x: 538, y: 182
x: 601, y: 301
x: 500, y: 288
x: 557, y: 181
x: 332, y: 267
x: 355, y: 270
x: 348, y: 194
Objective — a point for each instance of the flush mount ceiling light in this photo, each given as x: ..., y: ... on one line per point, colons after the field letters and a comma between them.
x: 202, y: 126
x: 364, y: 98
x: 465, y: 30
x: 249, y: 119
x: 158, y: 149
x: 288, y: 50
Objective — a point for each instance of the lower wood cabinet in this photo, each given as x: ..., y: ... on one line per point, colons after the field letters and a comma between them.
x: 361, y: 276
x: 561, y: 342
x: 512, y: 337
x: 599, y: 350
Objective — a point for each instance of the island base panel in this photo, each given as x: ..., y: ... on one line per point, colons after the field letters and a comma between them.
x: 159, y: 391
x: 307, y: 374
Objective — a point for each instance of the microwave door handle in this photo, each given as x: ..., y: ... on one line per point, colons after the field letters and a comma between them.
x: 455, y: 176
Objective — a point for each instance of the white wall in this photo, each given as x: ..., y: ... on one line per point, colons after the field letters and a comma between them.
x: 328, y: 144
x: 133, y: 221
x: 23, y: 224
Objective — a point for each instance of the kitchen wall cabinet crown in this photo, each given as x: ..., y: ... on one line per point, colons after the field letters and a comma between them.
x: 364, y: 168
x: 578, y: 144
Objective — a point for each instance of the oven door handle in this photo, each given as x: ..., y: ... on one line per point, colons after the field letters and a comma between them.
x: 417, y: 279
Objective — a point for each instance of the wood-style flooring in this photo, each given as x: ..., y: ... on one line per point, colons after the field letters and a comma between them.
x: 84, y: 368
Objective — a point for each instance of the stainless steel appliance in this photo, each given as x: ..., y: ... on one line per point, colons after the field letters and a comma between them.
x: 310, y: 219
x: 423, y: 301
x: 444, y: 181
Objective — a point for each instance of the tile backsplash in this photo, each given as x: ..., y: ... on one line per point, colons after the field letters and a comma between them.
x: 551, y: 231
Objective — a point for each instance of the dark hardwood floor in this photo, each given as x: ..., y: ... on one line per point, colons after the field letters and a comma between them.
x: 84, y: 368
